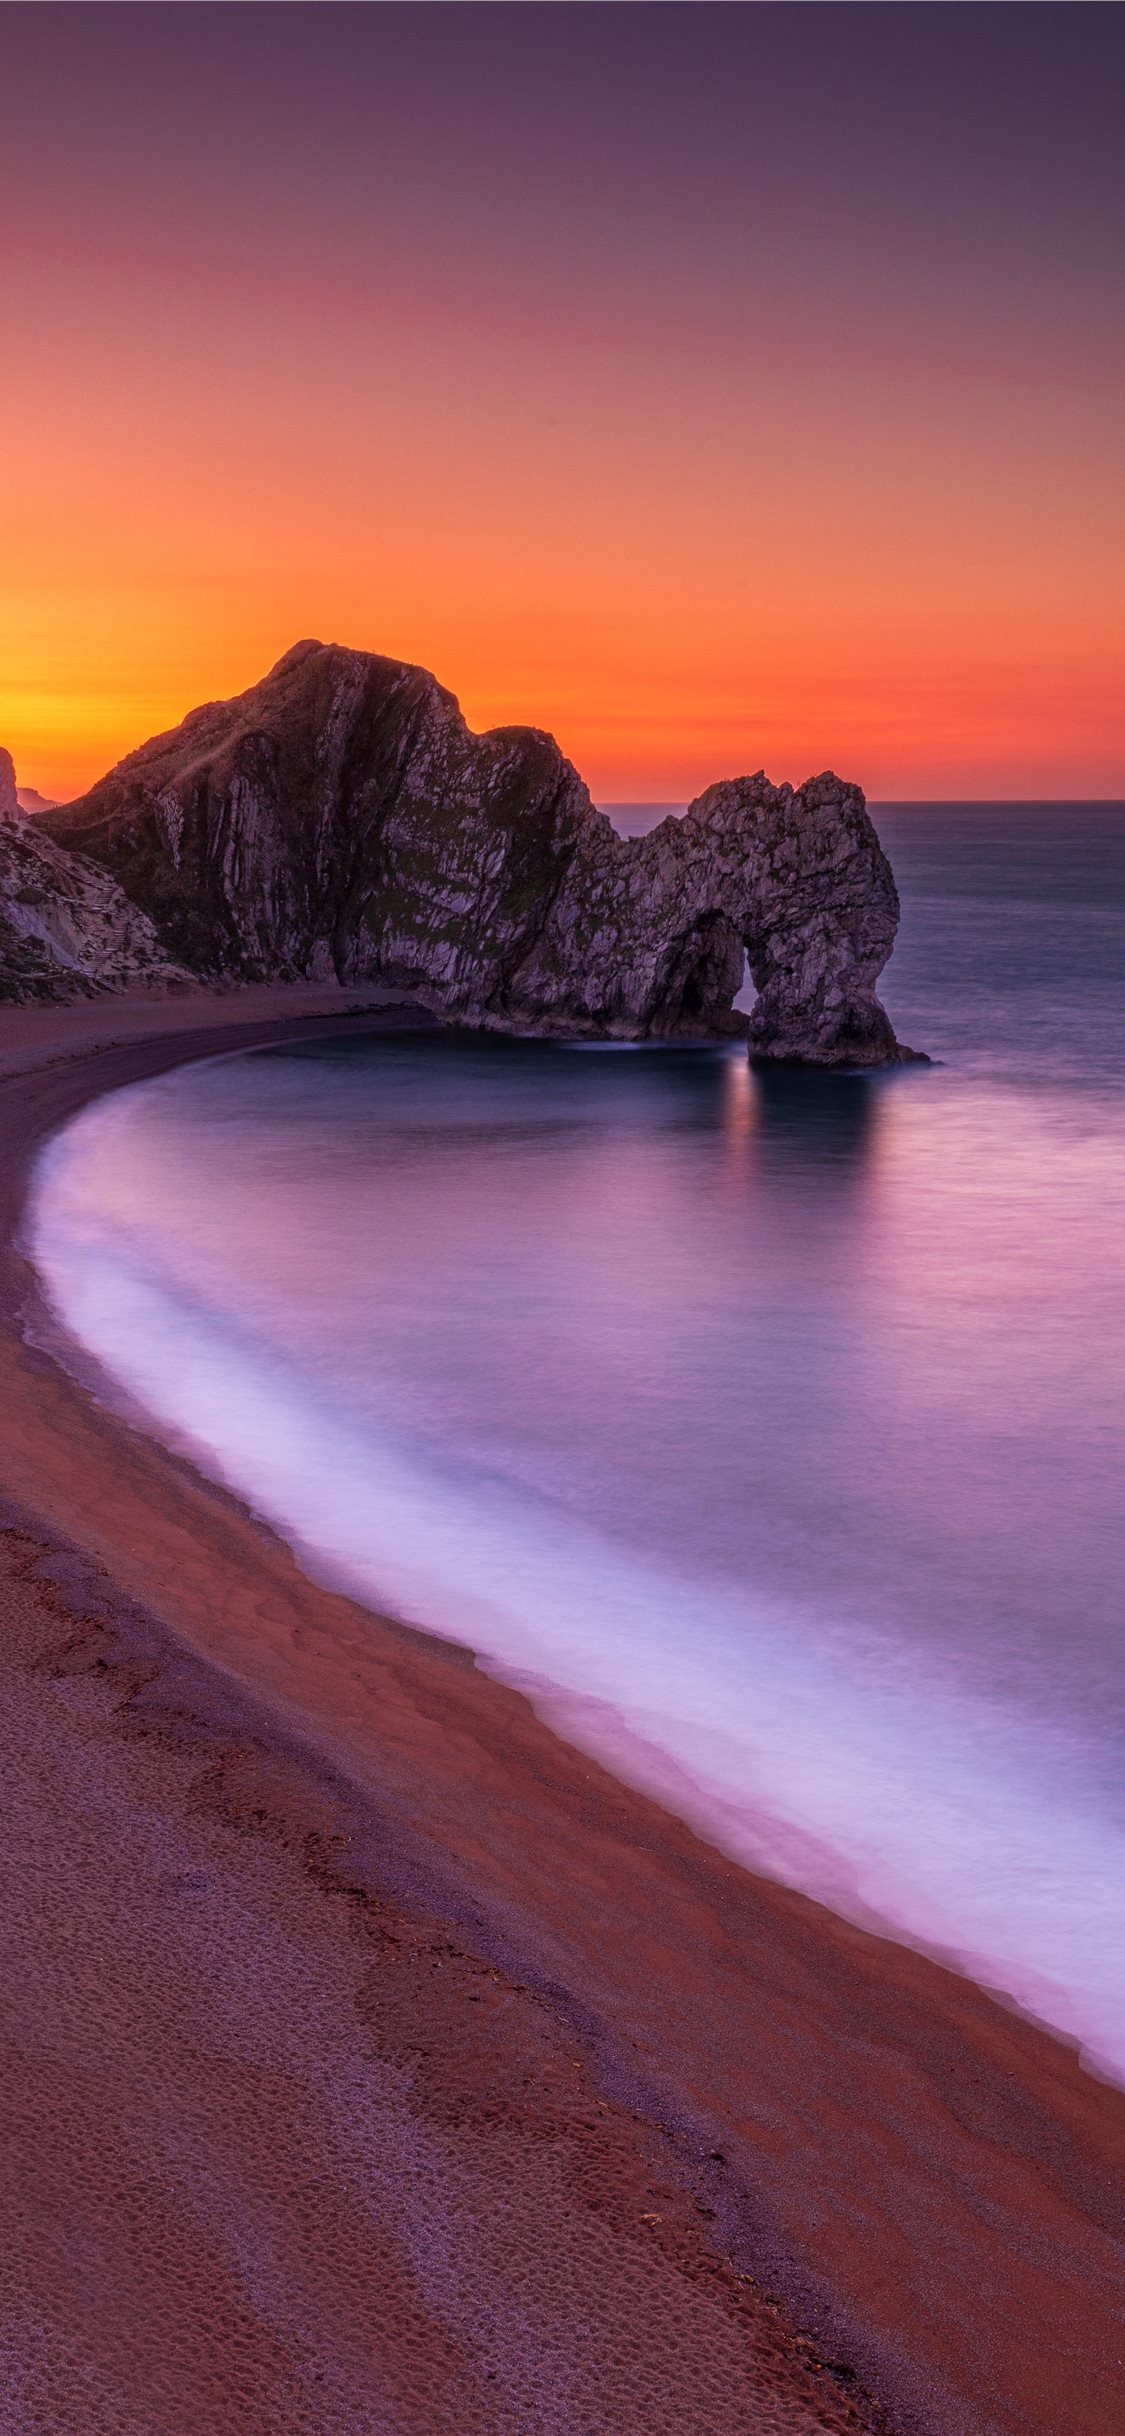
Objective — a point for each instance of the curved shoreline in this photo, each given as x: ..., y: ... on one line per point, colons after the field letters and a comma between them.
x: 932, y: 2181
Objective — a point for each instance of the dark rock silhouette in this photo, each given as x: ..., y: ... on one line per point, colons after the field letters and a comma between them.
x: 341, y: 819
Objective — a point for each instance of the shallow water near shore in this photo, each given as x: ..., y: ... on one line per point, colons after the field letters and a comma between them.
x: 766, y: 1427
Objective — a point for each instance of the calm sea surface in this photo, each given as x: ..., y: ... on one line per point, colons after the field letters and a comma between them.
x: 766, y: 1428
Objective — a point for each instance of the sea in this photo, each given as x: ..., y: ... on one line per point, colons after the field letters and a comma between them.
x: 766, y: 1428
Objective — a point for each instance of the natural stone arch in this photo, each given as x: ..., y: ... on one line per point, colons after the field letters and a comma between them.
x: 341, y: 817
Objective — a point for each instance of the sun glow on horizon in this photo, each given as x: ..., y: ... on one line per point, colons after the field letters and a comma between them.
x: 559, y: 402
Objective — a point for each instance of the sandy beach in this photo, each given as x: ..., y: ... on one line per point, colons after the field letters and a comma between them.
x: 372, y: 2060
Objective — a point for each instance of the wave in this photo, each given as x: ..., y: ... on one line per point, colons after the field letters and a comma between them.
x: 906, y: 1804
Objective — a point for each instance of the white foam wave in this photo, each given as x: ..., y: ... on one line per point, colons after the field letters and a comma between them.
x: 893, y: 1798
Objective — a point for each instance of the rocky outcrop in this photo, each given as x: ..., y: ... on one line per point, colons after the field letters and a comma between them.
x: 66, y: 929
x: 649, y: 936
x: 10, y: 807
x: 341, y: 818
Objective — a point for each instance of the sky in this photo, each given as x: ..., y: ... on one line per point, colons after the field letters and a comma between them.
x: 718, y: 386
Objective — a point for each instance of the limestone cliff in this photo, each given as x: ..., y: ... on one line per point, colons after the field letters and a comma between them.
x: 66, y: 928
x: 341, y: 818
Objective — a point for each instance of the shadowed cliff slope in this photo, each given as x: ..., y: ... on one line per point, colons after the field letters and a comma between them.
x: 341, y: 819
x: 66, y: 929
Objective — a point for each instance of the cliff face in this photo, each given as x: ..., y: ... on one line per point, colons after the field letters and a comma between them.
x: 340, y: 818
x: 66, y: 928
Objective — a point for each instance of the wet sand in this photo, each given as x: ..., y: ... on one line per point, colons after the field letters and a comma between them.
x: 374, y: 2061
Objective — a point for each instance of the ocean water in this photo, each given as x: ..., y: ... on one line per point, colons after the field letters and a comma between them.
x: 766, y: 1428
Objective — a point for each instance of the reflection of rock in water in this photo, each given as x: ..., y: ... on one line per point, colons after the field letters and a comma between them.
x: 810, y: 1119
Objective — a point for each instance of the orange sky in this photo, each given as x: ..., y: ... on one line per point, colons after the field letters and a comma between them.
x: 601, y: 495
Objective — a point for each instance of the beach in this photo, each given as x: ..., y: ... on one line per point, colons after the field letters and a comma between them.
x: 376, y: 2060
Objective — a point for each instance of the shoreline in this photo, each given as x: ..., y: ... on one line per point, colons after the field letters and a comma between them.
x: 931, y: 2182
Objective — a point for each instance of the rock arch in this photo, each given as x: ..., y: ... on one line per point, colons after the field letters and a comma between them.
x: 341, y: 817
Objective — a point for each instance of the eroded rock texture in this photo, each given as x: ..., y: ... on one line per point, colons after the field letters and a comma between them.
x: 340, y: 818
x: 66, y: 928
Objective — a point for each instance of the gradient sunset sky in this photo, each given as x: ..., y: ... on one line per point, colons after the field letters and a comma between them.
x: 717, y: 386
